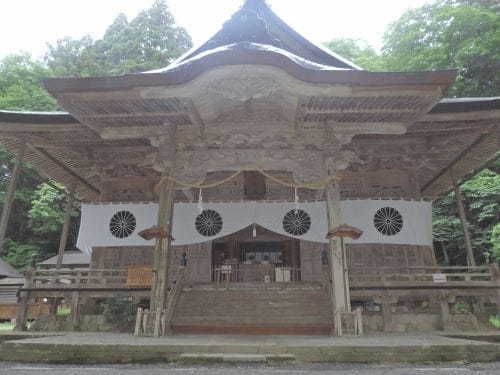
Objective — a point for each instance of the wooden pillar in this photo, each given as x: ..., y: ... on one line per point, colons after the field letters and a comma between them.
x: 75, y: 310
x: 444, y: 312
x: 53, y: 306
x: 336, y: 257
x: 386, y: 314
x: 9, y: 195
x: 465, y: 225
x: 345, y: 274
x: 22, y: 312
x: 159, y: 289
x: 65, y: 229
x: 495, y: 278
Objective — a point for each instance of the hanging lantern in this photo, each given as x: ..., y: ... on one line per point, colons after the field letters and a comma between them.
x: 155, y: 233
x: 344, y: 230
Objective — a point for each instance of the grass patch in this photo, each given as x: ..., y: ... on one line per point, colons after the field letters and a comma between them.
x: 63, y: 311
x: 4, y: 327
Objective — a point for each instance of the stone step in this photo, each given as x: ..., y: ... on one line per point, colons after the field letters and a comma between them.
x: 253, y: 329
x: 235, y: 319
x: 242, y: 306
x: 234, y: 358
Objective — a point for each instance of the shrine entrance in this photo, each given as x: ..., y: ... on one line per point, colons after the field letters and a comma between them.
x: 256, y: 255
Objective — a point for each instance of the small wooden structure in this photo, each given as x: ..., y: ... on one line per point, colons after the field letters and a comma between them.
x: 10, y: 283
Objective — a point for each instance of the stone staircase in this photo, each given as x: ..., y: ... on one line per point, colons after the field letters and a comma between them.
x: 258, y: 308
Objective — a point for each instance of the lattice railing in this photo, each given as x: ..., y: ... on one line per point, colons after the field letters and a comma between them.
x: 232, y: 274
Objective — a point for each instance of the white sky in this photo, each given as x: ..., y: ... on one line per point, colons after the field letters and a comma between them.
x: 27, y: 25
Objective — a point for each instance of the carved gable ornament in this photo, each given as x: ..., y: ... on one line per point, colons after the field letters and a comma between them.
x: 243, y: 89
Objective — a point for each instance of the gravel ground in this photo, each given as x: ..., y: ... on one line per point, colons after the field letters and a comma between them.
x: 316, y: 369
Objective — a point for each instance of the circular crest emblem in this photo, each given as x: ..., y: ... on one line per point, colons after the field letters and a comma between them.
x: 297, y: 222
x: 208, y: 223
x: 388, y: 221
x: 122, y: 224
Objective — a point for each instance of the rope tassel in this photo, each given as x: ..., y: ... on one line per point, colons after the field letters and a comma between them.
x: 296, y: 200
x: 200, y: 201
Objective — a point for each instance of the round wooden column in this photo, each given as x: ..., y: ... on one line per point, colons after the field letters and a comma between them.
x: 340, y: 287
x: 159, y: 288
x: 9, y: 195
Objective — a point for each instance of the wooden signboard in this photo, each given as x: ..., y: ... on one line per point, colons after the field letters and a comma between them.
x: 139, y: 276
x: 439, y: 278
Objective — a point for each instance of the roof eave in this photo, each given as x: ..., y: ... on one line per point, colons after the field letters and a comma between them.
x: 242, y: 54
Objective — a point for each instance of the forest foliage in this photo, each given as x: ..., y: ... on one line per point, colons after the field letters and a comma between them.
x: 150, y: 40
x: 444, y: 34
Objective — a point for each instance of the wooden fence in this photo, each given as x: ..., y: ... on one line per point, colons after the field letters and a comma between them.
x: 415, y: 276
x: 79, y: 278
x: 9, y: 311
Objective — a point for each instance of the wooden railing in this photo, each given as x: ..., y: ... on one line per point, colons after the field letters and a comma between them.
x: 420, y: 276
x: 358, y: 277
x: 79, y: 278
x: 232, y: 273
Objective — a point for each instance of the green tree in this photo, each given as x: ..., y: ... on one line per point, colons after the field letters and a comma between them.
x: 449, y: 34
x: 358, y: 51
x: 495, y: 240
x: 482, y: 201
x: 20, y: 84
x: 75, y: 57
x: 151, y: 40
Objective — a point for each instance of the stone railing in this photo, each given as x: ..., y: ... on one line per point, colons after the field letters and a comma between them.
x: 421, y: 276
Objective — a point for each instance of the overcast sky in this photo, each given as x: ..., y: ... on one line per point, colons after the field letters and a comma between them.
x: 27, y: 25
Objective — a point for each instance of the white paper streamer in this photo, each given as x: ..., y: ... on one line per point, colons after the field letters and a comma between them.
x: 416, y: 230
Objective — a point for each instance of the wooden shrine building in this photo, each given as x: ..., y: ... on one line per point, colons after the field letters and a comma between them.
x: 244, y: 154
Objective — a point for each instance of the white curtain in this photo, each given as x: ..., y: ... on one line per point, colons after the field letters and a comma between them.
x: 416, y: 216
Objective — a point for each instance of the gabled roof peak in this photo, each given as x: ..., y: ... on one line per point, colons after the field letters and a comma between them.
x: 255, y: 22
x: 254, y: 3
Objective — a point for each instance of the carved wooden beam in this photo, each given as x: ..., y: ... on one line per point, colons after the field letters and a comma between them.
x: 131, y: 132
x: 462, y: 116
x: 39, y: 128
x: 65, y: 169
x: 457, y: 159
x: 131, y: 115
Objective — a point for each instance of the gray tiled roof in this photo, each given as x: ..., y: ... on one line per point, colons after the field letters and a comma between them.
x: 70, y: 257
x: 7, y: 270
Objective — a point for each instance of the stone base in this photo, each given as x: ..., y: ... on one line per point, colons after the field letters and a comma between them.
x: 88, y: 323
x: 119, y: 348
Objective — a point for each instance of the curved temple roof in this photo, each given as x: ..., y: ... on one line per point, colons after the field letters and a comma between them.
x: 297, y: 82
x: 246, y: 53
